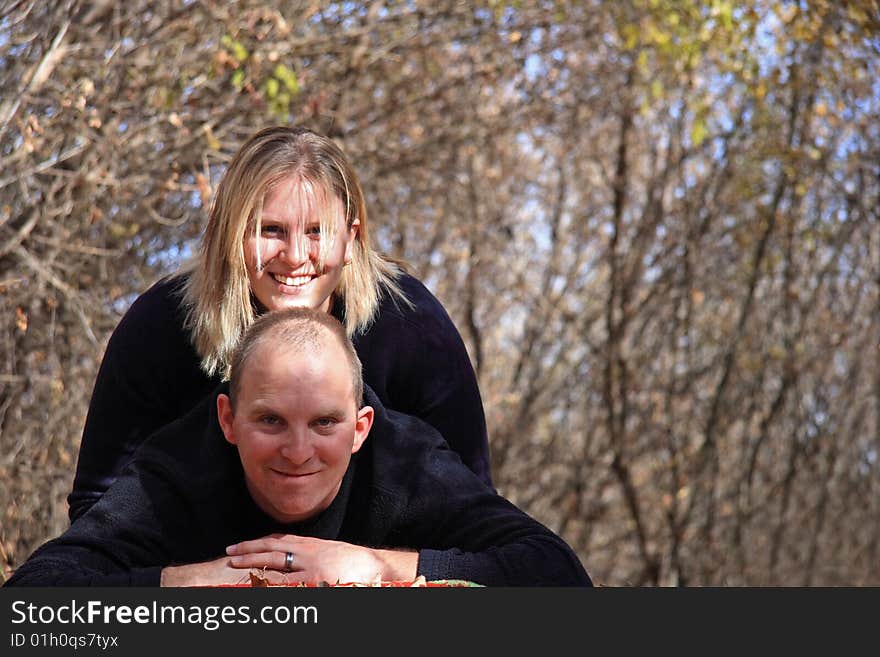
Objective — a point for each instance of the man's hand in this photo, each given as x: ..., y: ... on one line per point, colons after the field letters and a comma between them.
x: 207, y: 573
x: 317, y: 560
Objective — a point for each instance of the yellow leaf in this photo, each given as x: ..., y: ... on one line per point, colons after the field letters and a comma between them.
x: 288, y: 77
x: 237, y: 47
x: 271, y: 87
x: 630, y: 34
x: 787, y: 13
x: 213, y: 142
x: 656, y: 88
x: 699, y: 132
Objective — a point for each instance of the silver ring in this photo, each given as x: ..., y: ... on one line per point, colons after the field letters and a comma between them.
x: 288, y: 561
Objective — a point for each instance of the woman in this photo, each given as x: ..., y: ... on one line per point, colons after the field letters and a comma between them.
x: 288, y: 227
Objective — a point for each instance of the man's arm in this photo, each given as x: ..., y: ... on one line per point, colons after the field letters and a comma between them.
x: 462, y: 528
x: 491, y: 542
x: 65, y: 565
x: 486, y: 540
x: 123, y: 540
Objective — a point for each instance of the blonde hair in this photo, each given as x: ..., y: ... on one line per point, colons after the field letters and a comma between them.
x: 217, y: 295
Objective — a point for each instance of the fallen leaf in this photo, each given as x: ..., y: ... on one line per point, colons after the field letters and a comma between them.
x: 258, y: 580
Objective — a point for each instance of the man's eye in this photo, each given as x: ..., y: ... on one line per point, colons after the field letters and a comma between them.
x: 270, y: 420
x: 325, y: 422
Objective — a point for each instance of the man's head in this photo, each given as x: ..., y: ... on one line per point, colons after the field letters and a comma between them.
x: 294, y: 411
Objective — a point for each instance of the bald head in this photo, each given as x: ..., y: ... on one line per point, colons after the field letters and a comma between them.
x: 298, y: 330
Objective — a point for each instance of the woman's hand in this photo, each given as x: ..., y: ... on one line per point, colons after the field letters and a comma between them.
x: 320, y: 560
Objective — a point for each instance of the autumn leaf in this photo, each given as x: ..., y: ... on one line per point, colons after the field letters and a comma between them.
x: 204, y: 189
x: 258, y: 580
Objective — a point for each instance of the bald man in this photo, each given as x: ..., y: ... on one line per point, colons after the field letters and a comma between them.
x: 280, y: 475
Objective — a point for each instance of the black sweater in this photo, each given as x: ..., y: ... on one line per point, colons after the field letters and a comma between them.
x: 413, y: 358
x: 183, y: 499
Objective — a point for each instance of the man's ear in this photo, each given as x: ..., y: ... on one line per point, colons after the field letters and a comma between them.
x: 362, y: 427
x: 226, y: 416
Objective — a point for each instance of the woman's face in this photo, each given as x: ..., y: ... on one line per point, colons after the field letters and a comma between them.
x: 283, y: 261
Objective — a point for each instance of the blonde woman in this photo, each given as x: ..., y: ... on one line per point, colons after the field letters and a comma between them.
x: 288, y: 228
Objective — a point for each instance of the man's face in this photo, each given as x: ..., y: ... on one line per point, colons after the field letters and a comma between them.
x: 296, y: 425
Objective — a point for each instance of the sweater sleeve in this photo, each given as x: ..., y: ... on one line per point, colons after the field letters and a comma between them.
x: 461, y: 527
x: 66, y: 569
x: 496, y: 544
x: 148, y: 377
x: 501, y: 567
x: 415, y: 359
x: 122, y: 540
x: 449, y: 397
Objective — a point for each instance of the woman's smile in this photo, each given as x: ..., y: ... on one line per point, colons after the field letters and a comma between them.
x: 292, y: 281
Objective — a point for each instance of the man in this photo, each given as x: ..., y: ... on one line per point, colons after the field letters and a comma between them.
x: 296, y: 490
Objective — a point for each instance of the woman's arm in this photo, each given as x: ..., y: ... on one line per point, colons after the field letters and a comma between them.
x: 149, y: 376
x: 416, y: 361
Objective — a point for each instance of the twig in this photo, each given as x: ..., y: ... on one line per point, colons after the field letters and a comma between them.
x: 8, y: 10
x: 45, y: 164
x: 21, y: 234
x: 42, y: 71
x: 69, y: 293
x: 78, y: 248
x: 31, y: 378
x: 165, y: 221
x: 12, y: 281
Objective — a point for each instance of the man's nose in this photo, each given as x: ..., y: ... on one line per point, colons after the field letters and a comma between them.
x: 297, y: 447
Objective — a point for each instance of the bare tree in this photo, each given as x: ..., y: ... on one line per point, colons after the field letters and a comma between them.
x: 654, y: 223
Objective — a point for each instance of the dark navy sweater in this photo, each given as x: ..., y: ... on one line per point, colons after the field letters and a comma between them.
x: 413, y: 358
x: 183, y: 499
